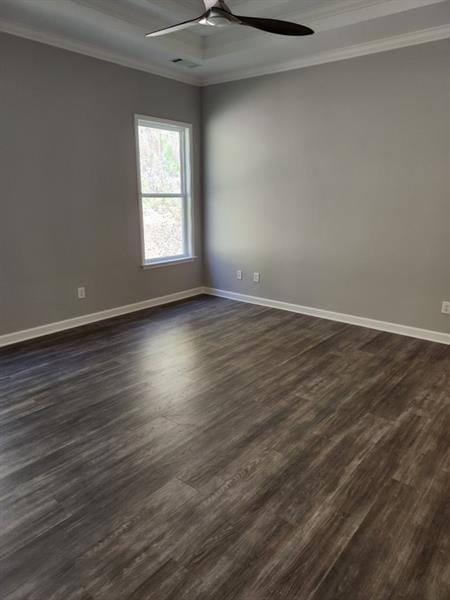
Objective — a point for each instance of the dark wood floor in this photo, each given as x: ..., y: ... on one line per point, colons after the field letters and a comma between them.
x: 213, y: 450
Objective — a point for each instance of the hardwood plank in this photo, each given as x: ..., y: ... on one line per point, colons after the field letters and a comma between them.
x: 395, y: 553
x: 212, y: 449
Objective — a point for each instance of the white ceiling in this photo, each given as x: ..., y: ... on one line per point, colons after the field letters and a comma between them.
x: 114, y: 30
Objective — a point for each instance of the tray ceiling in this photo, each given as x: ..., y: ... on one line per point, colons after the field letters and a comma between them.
x: 114, y: 30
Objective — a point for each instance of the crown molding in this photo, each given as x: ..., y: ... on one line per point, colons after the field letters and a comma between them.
x: 382, y: 45
x: 365, y: 10
x: 404, y: 40
x: 322, y: 18
x: 29, y: 33
x: 189, y: 44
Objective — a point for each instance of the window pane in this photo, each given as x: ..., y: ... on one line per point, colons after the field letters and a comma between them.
x: 163, y: 227
x: 159, y: 151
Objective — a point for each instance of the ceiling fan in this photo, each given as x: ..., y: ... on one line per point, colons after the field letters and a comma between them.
x: 217, y: 14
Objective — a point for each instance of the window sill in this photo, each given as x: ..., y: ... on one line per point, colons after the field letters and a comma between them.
x: 169, y: 262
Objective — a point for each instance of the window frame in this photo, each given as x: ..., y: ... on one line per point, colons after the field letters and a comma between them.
x: 186, y: 176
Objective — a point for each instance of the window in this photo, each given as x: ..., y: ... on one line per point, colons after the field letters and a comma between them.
x: 164, y: 173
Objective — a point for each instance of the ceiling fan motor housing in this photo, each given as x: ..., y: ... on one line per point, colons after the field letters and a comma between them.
x: 218, y: 16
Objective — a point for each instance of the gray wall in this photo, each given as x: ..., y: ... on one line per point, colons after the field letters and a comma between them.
x: 333, y: 182
x: 68, y: 189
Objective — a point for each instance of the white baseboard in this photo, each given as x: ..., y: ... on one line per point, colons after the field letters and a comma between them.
x: 416, y: 332
x: 34, y: 332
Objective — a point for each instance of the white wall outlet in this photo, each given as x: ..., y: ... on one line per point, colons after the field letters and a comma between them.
x: 81, y: 293
x: 256, y: 277
x: 239, y: 274
x: 445, y: 308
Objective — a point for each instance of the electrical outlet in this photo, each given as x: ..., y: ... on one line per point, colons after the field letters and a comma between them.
x: 256, y: 277
x: 445, y: 308
x: 81, y: 293
x: 239, y: 274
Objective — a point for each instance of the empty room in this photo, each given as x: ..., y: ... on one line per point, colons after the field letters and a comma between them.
x: 225, y: 299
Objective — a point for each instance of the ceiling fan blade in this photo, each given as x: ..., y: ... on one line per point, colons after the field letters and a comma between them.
x: 275, y: 26
x: 174, y: 28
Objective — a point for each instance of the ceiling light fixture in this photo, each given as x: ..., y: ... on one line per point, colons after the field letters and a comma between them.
x: 219, y: 15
